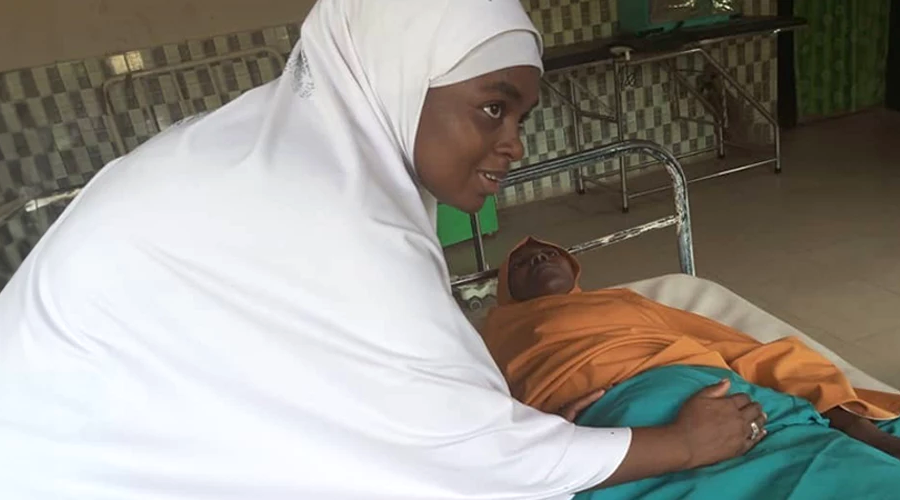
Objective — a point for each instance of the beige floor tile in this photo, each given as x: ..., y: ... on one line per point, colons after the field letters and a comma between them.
x: 874, y: 259
x: 850, y: 309
x: 887, y: 276
x: 886, y: 346
x: 882, y: 366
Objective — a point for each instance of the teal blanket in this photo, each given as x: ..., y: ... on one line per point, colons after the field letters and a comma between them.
x: 800, y: 458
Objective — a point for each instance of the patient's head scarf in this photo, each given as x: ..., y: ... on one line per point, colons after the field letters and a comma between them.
x: 254, y: 304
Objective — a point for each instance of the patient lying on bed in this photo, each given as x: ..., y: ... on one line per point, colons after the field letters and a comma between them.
x: 556, y: 343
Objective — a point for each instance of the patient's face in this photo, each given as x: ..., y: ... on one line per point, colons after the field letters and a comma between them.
x: 537, y: 270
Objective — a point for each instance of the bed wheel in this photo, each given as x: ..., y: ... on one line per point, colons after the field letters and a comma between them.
x: 625, y: 210
x: 581, y: 191
x: 474, y: 304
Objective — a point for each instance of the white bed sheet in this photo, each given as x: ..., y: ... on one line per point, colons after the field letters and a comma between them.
x: 716, y: 302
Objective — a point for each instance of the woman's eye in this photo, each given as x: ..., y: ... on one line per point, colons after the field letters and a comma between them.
x: 495, y: 111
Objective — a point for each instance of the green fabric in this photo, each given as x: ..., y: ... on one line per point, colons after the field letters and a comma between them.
x: 454, y: 226
x: 841, y: 56
x: 800, y: 458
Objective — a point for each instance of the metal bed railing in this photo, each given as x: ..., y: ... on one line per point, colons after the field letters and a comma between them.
x: 29, y: 201
x: 681, y: 219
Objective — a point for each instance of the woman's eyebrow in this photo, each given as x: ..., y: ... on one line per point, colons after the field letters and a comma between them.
x: 505, y: 88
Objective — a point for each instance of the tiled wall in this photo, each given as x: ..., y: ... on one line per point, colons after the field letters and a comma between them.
x: 647, y: 98
x: 59, y: 124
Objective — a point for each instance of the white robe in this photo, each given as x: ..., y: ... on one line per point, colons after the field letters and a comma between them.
x: 254, y: 304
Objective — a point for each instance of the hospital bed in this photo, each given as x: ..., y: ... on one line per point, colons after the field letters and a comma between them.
x: 684, y: 290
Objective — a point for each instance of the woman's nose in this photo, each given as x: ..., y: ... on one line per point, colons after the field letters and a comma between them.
x: 517, y: 148
x: 511, y: 145
x: 540, y: 257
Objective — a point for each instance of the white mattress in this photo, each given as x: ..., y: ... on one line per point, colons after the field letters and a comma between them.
x: 721, y: 304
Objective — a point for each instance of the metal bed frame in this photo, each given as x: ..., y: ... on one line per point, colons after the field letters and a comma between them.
x: 29, y: 201
x: 681, y: 219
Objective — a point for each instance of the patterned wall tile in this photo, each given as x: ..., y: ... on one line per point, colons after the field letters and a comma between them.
x: 58, y: 126
x: 564, y: 22
x: 19, y: 235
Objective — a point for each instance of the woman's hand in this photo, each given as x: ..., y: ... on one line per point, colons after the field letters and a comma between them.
x: 710, y: 427
x: 571, y: 411
x: 716, y: 427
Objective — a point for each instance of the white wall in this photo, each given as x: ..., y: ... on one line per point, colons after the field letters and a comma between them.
x: 35, y: 32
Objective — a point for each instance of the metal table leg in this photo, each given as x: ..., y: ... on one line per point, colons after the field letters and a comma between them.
x: 753, y: 102
x: 777, y: 132
x: 579, y: 140
x: 478, y: 243
x: 677, y: 81
x: 620, y: 124
x: 723, y: 117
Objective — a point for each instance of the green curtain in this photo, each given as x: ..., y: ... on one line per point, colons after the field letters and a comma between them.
x: 841, y: 56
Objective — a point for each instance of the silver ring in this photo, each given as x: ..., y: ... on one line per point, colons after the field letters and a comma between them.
x: 754, y: 431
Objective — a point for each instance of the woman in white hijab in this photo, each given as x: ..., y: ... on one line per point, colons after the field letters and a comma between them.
x: 254, y: 304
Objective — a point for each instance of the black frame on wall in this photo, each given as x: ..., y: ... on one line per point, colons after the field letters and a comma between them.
x: 892, y: 96
x: 787, y: 78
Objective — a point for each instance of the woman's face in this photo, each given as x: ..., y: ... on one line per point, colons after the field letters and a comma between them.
x: 538, y: 270
x: 469, y: 134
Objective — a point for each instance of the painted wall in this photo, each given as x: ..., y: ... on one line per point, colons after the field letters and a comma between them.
x: 841, y: 56
x: 36, y: 32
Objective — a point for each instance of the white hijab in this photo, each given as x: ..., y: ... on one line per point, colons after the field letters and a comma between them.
x: 254, y: 305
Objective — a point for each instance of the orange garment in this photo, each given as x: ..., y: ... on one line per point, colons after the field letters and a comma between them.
x: 555, y: 349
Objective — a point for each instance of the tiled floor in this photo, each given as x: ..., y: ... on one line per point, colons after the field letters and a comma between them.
x: 818, y: 246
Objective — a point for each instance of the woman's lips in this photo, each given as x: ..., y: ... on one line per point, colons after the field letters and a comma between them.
x: 492, y: 177
x: 545, y: 267
x: 491, y: 180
